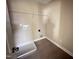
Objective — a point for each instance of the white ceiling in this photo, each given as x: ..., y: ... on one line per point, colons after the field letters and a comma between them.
x: 38, y: 1
x: 43, y: 1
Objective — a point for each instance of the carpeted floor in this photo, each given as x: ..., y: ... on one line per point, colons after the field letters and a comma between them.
x: 47, y: 50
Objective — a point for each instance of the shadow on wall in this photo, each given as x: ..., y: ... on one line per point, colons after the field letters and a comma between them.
x: 49, y: 26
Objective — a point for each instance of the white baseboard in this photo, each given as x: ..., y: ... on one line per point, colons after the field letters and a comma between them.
x: 64, y: 49
x: 39, y: 39
x: 28, y: 53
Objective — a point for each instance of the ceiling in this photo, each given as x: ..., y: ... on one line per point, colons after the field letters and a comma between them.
x: 43, y: 1
x: 37, y: 1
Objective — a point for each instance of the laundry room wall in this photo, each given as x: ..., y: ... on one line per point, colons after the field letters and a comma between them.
x: 59, y: 23
x: 25, y: 12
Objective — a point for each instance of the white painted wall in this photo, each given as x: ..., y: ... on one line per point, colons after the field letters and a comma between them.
x: 52, y: 20
x: 25, y: 12
x: 66, y: 24
x: 59, y: 23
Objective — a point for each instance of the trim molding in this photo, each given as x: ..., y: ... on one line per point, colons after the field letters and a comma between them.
x: 27, y: 53
x: 64, y: 49
x: 39, y: 39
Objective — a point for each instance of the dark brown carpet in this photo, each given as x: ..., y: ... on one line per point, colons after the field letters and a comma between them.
x: 47, y: 50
